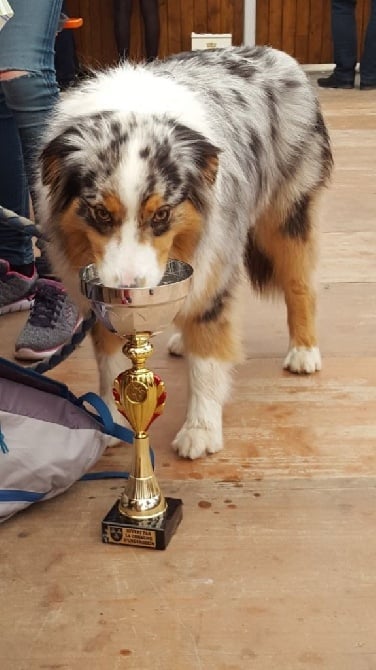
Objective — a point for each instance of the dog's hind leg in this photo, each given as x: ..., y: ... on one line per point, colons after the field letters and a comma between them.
x: 288, y: 242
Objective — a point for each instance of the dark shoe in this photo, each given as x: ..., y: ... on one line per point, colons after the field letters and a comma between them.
x: 367, y: 87
x: 333, y: 82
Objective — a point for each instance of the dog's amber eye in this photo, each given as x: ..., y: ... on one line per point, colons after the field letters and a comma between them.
x: 162, y: 214
x: 102, y: 214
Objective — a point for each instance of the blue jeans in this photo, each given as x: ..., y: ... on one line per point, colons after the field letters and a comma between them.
x: 26, y: 43
x: 345, y: 42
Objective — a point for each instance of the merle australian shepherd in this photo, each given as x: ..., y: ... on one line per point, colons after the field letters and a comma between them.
x: 212, y: 157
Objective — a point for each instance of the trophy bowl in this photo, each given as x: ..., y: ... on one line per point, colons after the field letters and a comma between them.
x: 130, y: 309
x: 142, y: 516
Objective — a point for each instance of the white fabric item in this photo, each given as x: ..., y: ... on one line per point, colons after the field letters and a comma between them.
x: 44, y: 457
x: 49, y: 438
x: 6, y: 12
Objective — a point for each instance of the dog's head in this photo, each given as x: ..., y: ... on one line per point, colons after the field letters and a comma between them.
x: 126, y: 192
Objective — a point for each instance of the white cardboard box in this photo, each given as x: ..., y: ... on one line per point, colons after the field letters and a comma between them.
x: 210, y: 40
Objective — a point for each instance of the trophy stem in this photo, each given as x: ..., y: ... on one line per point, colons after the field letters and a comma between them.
x: 142, y: 497
x: 142, y: 517
x: 140, y: 397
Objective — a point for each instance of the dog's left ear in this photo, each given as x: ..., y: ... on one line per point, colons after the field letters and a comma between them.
x: 205, y: 154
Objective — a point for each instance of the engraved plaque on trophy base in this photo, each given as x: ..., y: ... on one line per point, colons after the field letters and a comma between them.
x: 151, y: 533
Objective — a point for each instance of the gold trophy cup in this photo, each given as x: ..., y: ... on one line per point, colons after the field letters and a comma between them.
x: 142, y: 516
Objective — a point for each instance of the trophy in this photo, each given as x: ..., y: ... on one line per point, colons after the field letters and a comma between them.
x: 142, y: 516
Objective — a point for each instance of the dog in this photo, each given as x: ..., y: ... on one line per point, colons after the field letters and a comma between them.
x: 216, y: 158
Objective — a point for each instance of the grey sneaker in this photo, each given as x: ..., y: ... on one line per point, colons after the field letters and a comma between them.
x: 16, y: 290
x: 52, y: 321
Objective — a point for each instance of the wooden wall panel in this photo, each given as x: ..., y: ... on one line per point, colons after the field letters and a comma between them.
x: 288, y: 27
x: 178, y: 18
x: 302, y: 27
x: 187, y: 21
x: 317, y: 21
x: 275, y: 22
x: 214, y: 16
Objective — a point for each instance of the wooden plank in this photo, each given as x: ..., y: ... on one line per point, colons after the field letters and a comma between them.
x: 302, y: 30
x: 227, y: 17
x: 214, y: 16
x: 288, y: 26
x: 255, y: 577
x: 200, y: 16
x: 238, y: 22
x: 262, y: 22
x: 362, y: 11
x: 316, y: 22
x: 327, y: 41
x: 275, y: 23
x: 187, y: 24
x: 174, y: 26
x: 83, y: 35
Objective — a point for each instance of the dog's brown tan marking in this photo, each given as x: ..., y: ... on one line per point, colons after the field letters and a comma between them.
x: 113, y: 204
x: 211, y: 168
x: 182, y: 232
x: 105, y: 215
x: 292, y: 258
x: 161, y: 242
x: 188, y: 230
x: 212, y: 332
x: 218, y: 339
x: 104, y: 341
x: 82, y: 244
x: 149, y: 207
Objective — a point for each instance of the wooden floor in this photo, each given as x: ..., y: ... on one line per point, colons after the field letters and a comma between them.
x: 274, y: 564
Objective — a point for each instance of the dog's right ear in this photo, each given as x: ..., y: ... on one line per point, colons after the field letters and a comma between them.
x: 204, y: 154
x: 58, y: 167
x: 54, y: 155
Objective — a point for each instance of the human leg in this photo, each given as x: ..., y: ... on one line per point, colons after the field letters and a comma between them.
x: 150, y: 15
x: 15, y: 245
x: 344, y: 38
x: 28, y: 79
x: 368, y: 59
x: 17, y: 273
x: 122, y: 26
x: 27, y: 71
x: 344, y: 45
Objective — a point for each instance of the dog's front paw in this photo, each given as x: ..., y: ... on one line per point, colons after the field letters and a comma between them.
x: 175, y: 345
x: 195, y: 441
x: 303, y: 360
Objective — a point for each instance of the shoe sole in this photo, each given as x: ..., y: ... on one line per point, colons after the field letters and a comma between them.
x: 25, y: 354
x: 345, y: 87
x: 19, y: 306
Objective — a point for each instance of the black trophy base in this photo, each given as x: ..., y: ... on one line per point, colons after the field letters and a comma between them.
x: 151, y: 533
